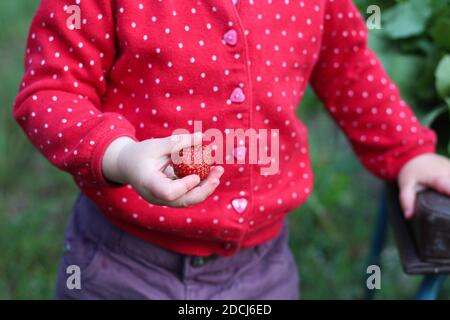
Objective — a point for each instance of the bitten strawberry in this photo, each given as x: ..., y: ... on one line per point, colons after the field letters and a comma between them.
x: 193, y: 160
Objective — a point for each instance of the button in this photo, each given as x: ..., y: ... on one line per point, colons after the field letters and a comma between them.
x: 67, y: 247
x: 198, y: 262
x: 237, y: 96
x: 239, y: 204
x: 228, y: 246
x: 230, y: 37
x: 239, y: 153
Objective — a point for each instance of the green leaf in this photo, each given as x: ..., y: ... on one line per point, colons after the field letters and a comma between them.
x: 407, y: 19
x: 439, y: 32
x: 383, y: 4
x: 447, y: 100
x: 404, y: 70
x: 431, y: 117
x: 443, y: 77
x: 448, y: 148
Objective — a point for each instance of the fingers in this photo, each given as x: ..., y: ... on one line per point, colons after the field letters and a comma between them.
x: 408, y: 191
x: 202, y: 191
x: 169, y: 172
x: 168, y: 190
x: 440, y: 184
x: 408, y: 198
x: 181, y: 193
x: 173, y: 144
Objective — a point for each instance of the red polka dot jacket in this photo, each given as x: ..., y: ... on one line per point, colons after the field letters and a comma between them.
x: 145, y: 68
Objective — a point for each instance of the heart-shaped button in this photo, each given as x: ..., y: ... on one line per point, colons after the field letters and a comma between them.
x: 237, y: 96
x: 231, y: 37
x: 239, y: 204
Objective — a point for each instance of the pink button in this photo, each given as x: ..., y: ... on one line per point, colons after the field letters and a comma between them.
x: 239, y: 153
x: 239, y: 204
x: 230, y: 37
x: 237, y: 96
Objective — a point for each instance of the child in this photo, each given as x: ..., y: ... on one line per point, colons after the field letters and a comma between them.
x: 102, y: 102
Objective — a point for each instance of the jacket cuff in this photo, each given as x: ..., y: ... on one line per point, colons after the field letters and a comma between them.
x: 99, y: 151
x: 395, y: 164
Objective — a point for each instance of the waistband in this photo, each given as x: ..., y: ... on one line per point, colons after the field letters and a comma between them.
x: 88, y: 221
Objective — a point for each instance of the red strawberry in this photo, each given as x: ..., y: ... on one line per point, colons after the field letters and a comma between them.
x: 193, y: 160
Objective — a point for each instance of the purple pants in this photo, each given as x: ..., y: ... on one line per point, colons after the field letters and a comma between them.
x: 113, y: 264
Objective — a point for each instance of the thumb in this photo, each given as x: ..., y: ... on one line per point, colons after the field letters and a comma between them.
x: 407, y: 198
x: 175, y: 143
x: 440, y: 184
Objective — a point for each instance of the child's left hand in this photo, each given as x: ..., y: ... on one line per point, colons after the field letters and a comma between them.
x: 425, y: 171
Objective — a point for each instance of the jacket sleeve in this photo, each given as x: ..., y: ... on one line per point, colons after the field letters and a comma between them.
x: 59, y: 103
x: 359, y: 95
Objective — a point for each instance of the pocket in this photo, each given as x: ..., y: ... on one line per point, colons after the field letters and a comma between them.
x: 277, y: 249
x: 83, y: 253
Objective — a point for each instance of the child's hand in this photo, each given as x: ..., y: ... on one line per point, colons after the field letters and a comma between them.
x: 425, y: 171
x: 144, y: 166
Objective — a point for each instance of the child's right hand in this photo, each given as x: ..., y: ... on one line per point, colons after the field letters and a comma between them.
x: 144, y: 165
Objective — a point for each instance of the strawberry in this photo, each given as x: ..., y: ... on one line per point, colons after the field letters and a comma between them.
x: 193, y: 160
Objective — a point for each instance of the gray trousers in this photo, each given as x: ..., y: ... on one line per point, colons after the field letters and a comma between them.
x: 102, y: 262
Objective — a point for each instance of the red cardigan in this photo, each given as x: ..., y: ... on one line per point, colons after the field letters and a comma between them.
x: 145, y: 68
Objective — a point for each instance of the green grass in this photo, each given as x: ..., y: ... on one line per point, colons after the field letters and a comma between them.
x: 35, y: 199
x: 330, y: 234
